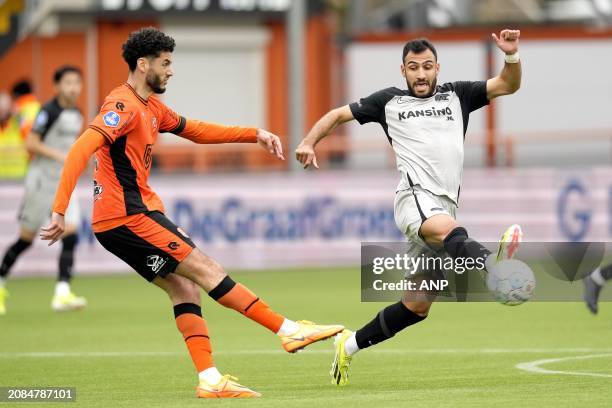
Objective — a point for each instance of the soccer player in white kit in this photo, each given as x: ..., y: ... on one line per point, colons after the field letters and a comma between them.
x: 426, y: 126
x: 56, y: 127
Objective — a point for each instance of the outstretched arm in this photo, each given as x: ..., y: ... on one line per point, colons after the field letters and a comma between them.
x: 207, y: 133
x: 76, y: 161
x: 509, y: 79
x: 305, y: 153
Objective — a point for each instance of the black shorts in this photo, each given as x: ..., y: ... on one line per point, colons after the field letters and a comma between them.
x: 149, y: 242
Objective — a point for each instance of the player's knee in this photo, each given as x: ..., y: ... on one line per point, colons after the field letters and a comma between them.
x: 204, y: 264
x: 419, y: 308
x: 27, y: 236
x: 435, y: 230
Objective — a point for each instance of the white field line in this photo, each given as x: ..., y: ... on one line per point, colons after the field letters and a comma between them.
x: 53, y: 354
x: 534, y: 366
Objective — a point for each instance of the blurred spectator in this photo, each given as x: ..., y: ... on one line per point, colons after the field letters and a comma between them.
x: 26, y: 106
x: 13, y: 156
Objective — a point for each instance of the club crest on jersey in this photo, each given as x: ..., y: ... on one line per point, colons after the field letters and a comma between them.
x: 42, y: 118
x: 111, y: 119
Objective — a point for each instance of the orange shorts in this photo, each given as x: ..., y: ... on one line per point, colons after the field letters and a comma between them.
x: 148, y: 242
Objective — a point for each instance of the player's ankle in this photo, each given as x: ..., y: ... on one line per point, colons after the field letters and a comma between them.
x: 288, y: 328
x: 350, y: 345
x: 62, y: 288
x: 597, y: 277
x: 211, y: 376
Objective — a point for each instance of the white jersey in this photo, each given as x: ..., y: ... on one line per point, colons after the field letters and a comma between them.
x: 58, y: 128
x: 427, y: 134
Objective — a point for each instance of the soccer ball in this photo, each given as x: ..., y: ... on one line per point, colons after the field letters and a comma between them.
x: 511, y: 282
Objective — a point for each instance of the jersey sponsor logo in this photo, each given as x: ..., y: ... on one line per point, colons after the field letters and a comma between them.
x: 154, y: 122
x: 148, y: 156
x: 405, y: 115
x: 156, y: 262
x: 120, y: 106
x: 441, y: 97
x: 174, y: 245
x: 111, y: 119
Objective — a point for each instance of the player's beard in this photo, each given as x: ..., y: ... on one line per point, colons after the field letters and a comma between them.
x: 432, y: 89
x: 155, y: 82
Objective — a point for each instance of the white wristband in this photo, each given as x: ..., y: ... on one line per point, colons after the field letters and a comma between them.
x: 512, y: 58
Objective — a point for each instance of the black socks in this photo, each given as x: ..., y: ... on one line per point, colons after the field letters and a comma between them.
x: 11, y: 256
x: 386, y: 324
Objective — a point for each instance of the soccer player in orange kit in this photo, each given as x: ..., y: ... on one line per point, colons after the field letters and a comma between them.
x: 128, y: 217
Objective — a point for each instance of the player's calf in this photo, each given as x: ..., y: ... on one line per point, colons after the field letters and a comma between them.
x: 458, y: 245
x: 208, y: 274
x: 64, y: 300
x: 179, y: 289
x: 387, y: 323
x: 11, y: 255
x: 435, y: 229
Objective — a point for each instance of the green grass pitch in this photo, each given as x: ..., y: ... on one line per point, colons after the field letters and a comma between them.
x: 124, y: 349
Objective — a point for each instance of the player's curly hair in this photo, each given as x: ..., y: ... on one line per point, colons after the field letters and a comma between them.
x: 146, y: 42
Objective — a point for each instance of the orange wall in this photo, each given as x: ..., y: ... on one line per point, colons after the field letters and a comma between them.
x: 484, y: 33
x: 319, y: 61
x: 16, y: 64
x: 37, y: 58
x: 66, y: 48
x: 276, y: 62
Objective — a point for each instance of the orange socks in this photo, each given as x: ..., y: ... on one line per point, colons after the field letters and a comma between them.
x: 193, y: 328
x: 236, y: 296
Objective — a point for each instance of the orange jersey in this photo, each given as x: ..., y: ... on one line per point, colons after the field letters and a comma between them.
x: 129, y: 126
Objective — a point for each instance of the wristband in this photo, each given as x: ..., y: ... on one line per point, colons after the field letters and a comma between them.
x: 512, y: 58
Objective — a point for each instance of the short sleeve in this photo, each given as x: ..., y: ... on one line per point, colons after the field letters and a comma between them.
x: 169, y: 120
x: 42, y: 122
x: 371, y: 108
x: 473, y: 95
x: 116, y: 118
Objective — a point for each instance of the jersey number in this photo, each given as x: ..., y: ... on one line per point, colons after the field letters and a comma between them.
x: 148, y: 156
